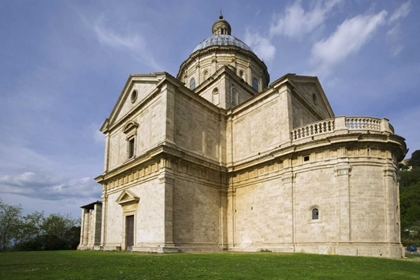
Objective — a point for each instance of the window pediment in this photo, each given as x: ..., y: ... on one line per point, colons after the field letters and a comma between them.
x: 126, y: 197
x: 130, y: 126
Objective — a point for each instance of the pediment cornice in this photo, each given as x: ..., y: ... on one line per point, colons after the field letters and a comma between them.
x: 126, y: 197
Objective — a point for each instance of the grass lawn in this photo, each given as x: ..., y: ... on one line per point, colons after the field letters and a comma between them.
x: 117, y: 265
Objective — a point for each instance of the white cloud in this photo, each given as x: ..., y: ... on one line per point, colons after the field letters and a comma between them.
x: 349, y: 37
x: 394, y: 38
x: 401, y: 12
x: 260, y: 45
x: 296, y: 22
x: 47, y: 187
x: 132, y: 42
x: 394, y: 35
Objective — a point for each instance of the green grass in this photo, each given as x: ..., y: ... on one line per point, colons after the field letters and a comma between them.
x: 115, y: 265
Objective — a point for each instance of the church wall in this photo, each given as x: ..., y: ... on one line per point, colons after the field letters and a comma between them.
x: 114, y: 222
x: 310, y: 93
x: 368, y: 201
x: 229, y: 93
x: 301, y: 114
x: 150, y: 132
x: 355, y: 192
x: 197, y: 128
x: 210, y: 93
x: 150, y: 213
x: 143, y: 89
x: 263, y: 214
x: 196, y: 214
x: 315, y: 187
x: 148, y: 216
x: 259, y: 128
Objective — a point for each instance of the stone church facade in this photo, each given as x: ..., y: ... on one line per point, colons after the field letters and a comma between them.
x: 219, y: 159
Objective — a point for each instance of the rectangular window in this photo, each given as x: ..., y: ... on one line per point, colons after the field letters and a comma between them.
x: 131, y: 148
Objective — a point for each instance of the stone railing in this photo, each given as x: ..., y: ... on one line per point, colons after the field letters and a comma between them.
x: 341, y: 123
x: 313, y: 129
x: 363, y: 123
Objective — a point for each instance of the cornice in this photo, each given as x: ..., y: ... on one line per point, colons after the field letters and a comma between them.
x: 288, y: 150
x: 162, y: 151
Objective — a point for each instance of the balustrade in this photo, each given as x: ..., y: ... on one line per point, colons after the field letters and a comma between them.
x: 313, y: 129
x: 340, y: 123
x: 363, y: 123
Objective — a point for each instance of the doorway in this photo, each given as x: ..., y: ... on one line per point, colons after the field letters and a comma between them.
x: 129, y: 232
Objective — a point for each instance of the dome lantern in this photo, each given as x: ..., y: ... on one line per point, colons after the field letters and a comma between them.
x: 221, y: 27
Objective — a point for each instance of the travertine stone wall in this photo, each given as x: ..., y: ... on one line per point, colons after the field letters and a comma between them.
x: 197, y: 128
x: 150, y: 132
x: 314, y: 188
x: 148, y: 215
x: 205, y: 178
x: 260, y: 128
x: 231, y: 89
x: 196, y: 213
x: 143, y: 89
x: 308, y: 104
x: 355, y: 191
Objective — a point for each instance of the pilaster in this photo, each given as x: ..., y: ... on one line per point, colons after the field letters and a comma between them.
x: 288, y: 184
x: 167, y: 179
x: 342, y: 177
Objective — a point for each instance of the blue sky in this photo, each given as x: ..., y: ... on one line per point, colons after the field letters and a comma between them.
x: 63, y: 65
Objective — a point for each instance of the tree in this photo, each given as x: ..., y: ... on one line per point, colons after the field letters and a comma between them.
x: 35, y: 231
x: 58, y: 232
x: 10, y: 221
x: 30, y: 232
x: 415, y: 158
x: 410, y: 202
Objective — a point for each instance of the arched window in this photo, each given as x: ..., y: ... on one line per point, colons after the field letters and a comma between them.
x: 314, y: 99
x: 215, y: 96
x: 315, y: 214
x: 255, y: 83
x: 206, y: 75
x: 192, y: 84
x: 131, y: 147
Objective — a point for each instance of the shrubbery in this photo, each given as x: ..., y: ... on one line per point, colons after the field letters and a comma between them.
x: 35, y: 231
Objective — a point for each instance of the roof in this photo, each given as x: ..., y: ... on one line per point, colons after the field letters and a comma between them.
x: 222, y: 40
x: 91, y: 205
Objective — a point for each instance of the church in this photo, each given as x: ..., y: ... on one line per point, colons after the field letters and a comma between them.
x: 220, y: 159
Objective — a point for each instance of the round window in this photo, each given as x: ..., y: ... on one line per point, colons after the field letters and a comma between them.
x: 134, y: 96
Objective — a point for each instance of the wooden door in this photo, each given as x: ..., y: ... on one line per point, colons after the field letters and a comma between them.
x: 129, y: 232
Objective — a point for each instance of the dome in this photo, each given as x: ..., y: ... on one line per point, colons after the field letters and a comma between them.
x: 222, y: 40
x: 219, y: 50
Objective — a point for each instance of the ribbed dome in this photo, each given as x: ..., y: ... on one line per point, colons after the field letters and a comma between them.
x: 222, y: 40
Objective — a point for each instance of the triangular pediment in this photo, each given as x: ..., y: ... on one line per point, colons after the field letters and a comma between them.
x: 310, y: 90
x: 127, y: 196
x: 235, y: 92
x: 134, y: 94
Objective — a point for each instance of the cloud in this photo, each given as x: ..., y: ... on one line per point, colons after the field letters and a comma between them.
x: 349, y: 37
x: 47, y: 187
x: 116, y: 40
x: 394, y: 36
x: 401, y: 12
x: 296, y: 22
x: 260, y: 45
